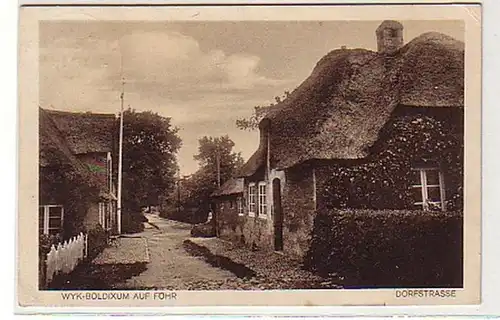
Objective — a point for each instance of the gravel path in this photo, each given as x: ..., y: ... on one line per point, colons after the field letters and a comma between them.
x: 125, y: 250
x: 170, y: 267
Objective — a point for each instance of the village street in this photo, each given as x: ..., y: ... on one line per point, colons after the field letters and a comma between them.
x: 179, y: 262
x: 170, y: 266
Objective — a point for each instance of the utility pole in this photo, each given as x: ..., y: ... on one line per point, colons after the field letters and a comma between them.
x: 120, y: 153
x: 217, y: 160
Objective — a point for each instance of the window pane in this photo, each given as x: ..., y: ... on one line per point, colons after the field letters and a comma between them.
x: 434, y: 194
x: 432, y: 177
x: 55, y: 212
x: 417, y: 194
x: 415, y: 177
x: 54, y: 222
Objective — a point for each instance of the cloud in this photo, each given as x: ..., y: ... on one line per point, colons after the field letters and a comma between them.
x: 179, y: 63
x: 204, y: 90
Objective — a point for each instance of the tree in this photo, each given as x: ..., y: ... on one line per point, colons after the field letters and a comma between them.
x: 252, y: 122
x: 216, y: 159
x: 150, y: 144
x: 216, y: 156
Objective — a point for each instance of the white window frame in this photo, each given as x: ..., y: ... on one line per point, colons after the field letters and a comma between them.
x: 423, y: 186
x: 46, y: 217
x: 251, y: 199
x: 239, y: 206
x: 262, y: 194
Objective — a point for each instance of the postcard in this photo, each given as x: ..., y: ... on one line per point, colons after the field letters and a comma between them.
x: 196, y: 155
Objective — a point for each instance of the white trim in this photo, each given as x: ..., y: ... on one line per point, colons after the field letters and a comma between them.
x: 424, y: 188
x: 46, y: 217
x: 251, y: 199
x: 262, y: 207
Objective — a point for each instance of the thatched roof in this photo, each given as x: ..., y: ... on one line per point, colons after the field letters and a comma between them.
x: 85, y: 132
x: 339, y: 110
x: 54, y: 150
x: 233, y: 186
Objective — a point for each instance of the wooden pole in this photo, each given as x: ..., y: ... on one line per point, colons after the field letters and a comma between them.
x: 120, y: 158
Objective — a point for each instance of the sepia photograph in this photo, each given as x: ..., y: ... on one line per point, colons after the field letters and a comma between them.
x: 254, y: 155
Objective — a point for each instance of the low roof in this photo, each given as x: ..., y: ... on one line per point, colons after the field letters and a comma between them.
x: 86, y: 132
x: 338, y: 111
x: 233, y: 186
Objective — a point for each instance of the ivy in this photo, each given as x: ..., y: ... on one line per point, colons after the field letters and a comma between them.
x: 382, y: 180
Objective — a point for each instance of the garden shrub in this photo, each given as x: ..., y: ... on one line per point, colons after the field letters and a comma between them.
x: 388, y: 248
x: 97, y: 240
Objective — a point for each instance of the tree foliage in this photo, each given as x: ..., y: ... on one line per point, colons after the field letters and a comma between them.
x: 150, y: 144
x: 252, y: 122
x: 195, y: 190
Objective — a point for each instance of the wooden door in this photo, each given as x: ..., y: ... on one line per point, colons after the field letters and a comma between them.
x: 278, y: 215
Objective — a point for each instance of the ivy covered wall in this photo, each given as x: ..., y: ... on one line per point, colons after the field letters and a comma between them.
x: 59, y: 183
x: 414, y: 137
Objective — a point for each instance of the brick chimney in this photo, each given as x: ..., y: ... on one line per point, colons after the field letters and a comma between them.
x: 389, y: 37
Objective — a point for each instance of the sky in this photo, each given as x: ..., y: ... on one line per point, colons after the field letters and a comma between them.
x: 204, y: 75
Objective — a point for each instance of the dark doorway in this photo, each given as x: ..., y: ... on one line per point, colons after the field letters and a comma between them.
x: 278, y: 216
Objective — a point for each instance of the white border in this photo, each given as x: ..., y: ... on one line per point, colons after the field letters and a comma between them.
x: 491, y: 177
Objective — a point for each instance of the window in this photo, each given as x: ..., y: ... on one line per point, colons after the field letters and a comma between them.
x: 262, y: 200
x: 428, y: 189
x: 251, y: 199
x: 50, y: 219
x: 239, y: 204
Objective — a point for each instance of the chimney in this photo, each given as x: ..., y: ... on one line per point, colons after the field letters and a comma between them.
x: 389, y: 37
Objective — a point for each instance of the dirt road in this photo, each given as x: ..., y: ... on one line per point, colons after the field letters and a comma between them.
x: 170, y: 266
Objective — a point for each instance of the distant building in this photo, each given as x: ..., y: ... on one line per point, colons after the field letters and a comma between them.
x: 229, y: 207
x: 362, y: 131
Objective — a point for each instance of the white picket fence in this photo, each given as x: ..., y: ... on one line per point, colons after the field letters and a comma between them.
x: 64, y: 257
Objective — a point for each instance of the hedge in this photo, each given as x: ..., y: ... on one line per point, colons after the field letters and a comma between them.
x: 388, y: 248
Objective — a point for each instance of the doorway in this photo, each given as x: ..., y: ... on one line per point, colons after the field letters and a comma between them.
x: 278, y: 215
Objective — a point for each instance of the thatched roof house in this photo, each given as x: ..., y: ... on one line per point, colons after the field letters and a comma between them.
x: 339, y: 110
x: 366, y: 130
x: 67, y: 142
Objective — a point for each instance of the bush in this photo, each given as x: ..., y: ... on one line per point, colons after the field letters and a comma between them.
x: 388, y: 248
x: 133, y: 222
x: 204, y: 230
x: 97, y: 241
